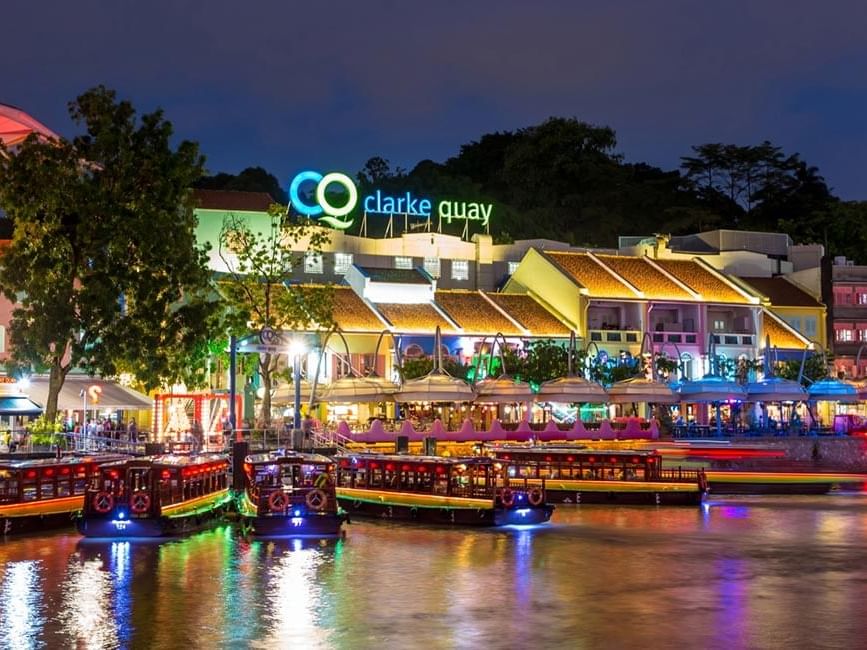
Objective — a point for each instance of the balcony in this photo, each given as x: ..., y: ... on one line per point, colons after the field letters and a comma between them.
x: 674, y: 337
x: 615, y: 336
x: 733, y: 338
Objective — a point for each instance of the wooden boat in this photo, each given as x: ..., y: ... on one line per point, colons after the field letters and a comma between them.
x: 581, y: 475
x: 155, y: 496
x: 290, y: 494
x: 45, y: 493
x: 470, y: 491
x: 779, y: 481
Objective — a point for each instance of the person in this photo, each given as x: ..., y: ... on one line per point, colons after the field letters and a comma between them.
x: 198, y: 435
x: 307, y: 429
x: 132, y: 430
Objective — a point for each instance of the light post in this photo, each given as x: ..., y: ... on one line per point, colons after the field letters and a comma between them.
x: 297, y: 350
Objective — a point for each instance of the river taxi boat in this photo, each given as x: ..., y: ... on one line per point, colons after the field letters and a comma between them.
x: 431, y: 489
x: 581, y: 475
x: 290, y: 494
x: 156, y: 496
x: 45, y: 493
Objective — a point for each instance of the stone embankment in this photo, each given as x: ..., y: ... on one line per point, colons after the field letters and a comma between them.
x: 832, y: 453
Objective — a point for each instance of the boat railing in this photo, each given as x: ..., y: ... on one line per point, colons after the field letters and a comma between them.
x: 678, y: 474
x: 471, y: 491
x: 295, y: 497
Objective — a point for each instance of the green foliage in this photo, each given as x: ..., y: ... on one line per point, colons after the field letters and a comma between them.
x: 257, y: 289
x: 45, y: 431
x: 103, y: 262
x: 419, y: 367
x: 815, y: 368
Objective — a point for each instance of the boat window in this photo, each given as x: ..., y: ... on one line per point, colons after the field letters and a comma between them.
x: 46, y: 489
x: 375, y: 477
x: 64, y: 487
x: 287, y: 479
x: 425, y: 481
x: 8, y: 488
x: 28, y: 492
x: 441, y: 483
x: 79, y: 485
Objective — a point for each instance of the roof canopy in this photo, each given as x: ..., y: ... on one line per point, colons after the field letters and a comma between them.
x: 16, y: 125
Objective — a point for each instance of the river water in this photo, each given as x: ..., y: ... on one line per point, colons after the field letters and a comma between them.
x: 745, y: 572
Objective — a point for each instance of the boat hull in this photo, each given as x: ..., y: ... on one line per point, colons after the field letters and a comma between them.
x: 445, y: 514
x: 643, y: 497
x: 303, y: 526
x: 738, y: 482
x: 185, y: 520
x: 36, y: 516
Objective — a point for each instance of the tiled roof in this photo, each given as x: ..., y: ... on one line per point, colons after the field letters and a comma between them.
x: 702, y: 281
x: 421, y: 318
x: 781, y: 336
x: 351, y: 313
x: 401, y: 276
x: 782, y: 293
x: 474, y: 314
x: 232, y: 200
x: 588, y: 273
x: 529, y: 313
x: 641, y: 275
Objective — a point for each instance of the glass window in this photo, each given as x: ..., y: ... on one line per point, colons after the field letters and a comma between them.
x: 342, y: 262
x: 719, y: 325
x: 810, y: 326
x: 432, y: 266
x: 460, y: 270
x: 513, y: 266
x: 312, y: 263
x: 844, y: 335
x: 795, y: 323
x: 403, y: 262
x: 862, y: 298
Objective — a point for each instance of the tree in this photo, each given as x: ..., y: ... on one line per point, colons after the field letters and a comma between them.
x: 257, y: 289
x: 103, y: 261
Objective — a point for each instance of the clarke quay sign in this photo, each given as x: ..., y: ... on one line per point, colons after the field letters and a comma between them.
x: 319, y: 205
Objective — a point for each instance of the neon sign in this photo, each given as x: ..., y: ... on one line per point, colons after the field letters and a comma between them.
x: 377, y: 203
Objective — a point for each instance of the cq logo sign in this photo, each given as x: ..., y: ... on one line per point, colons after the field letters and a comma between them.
x: 333, y: 215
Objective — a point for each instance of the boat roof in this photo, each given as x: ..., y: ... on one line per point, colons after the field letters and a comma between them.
x: 404, y: 458
x: 170, y: 460
x: 574, y: 451
x: 287, y: 456
x: 66, y: 460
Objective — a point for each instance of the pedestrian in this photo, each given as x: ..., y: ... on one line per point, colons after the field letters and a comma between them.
x: 132, y: 431
x: 307, y: 429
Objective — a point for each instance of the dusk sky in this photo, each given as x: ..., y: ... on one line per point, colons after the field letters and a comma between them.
x: 326, y: 85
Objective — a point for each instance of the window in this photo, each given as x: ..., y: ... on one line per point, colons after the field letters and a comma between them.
x: 862, y: 298
x: 403, y: 262
x: 794, y: 323
x: 513, y: 266
x: 432, y: 266
x: 843, y: 335
x: 342, y: 262
x: 460, y: 270
x: 312, y: 263
x: 810, y: 326
x: 719, y: 325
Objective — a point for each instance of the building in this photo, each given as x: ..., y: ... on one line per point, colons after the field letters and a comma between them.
x: 849, y: 317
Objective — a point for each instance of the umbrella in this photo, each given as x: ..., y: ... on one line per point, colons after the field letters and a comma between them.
x: 435, y: 387
x: 572, y: 389
x: 775, y: 389
x: 712, y: 389
x: 502, y: 390
x: 833, y: 390
x: 639, y: 389
x: 355, y: 390
x: 285, y: 393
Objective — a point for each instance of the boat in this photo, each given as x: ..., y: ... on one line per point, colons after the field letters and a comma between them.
x: 45, y: 493
x: 581, y: 475
x: 290, y: 494
x: 156, y: 496
x: 473, y: 491
x: 781, y: 480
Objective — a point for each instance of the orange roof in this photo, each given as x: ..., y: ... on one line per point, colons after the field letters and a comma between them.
x: 702, y: 281
x: 474, y: 314
x: 352, y: 314
x: 590, y: 274
x: 641, y: 275
x: 529, y: 313
x: 422, y: 318
x: 781, y: 335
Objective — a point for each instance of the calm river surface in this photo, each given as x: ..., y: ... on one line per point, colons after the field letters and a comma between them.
x: 747, y: 572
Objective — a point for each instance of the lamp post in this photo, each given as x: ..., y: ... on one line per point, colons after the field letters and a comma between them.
x: 297, y: 350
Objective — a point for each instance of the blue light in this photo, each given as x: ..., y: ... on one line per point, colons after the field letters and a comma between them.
x: 520, y: 497
x: 121, y: 514
x: 297, y: 513
x: 304, y: 208
x: 297, y: 522
x: 523, y: 511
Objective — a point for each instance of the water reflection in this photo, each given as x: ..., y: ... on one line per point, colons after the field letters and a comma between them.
x: 741, y: 572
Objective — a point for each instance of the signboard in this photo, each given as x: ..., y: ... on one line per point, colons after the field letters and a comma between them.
x: 267, y: 341
x: 378, y: 202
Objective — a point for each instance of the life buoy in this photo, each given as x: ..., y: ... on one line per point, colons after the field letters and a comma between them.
x: 316, y: 499
x: 278, y: 501
x: 140, y: 502
x: 535, y: 496
x: 507, y: 498
x: 103, y: 502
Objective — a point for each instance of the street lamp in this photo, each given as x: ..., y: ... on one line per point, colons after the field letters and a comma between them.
x: 297, y: 350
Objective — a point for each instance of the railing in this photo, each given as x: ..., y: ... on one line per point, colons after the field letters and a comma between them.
x: 678, y: 474
x: 615, y: 336
x: 674, y: 337
x: 733, y: 338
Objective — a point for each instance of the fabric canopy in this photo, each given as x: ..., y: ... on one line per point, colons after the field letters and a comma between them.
x: 639, y: 389
x: 110, y: 394
x: 16, y: 125
x: 18, y: 405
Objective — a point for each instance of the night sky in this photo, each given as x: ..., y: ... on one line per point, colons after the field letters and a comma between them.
x: 326, y: 85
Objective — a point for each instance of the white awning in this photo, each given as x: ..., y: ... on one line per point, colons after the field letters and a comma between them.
x: 111, y: 394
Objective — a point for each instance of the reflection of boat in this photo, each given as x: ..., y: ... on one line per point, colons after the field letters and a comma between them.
x: 155, y: 496
x: 580, y: 475
x: 779, y: 481
x: 290, y: 494
x: 40, y: 494
x: 432, y: 489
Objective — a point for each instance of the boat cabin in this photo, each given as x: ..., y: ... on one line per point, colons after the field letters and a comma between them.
x: 28, y: 481
x: 281, y: 483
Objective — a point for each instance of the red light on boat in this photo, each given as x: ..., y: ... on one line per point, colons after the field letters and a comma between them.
x: 64, y: 470
x: 613, y: 459
x: 48, y: 471
x: 422, y: 469
x: 440, y: 469
x: 344, y: 463
x: 548, y: 458
x: 405, y: 468
x: 374, y: 465
x: 362, y: 465
x: 570, y: 458
x: 591, y: 459
x: 113, y: 473
x: 31, y: 473
x: 166, y: 474
x: 81, y: 468
x: 389, y: 467
x: 507, y: 457
x: 636, y: 459
x: 651, y: 460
